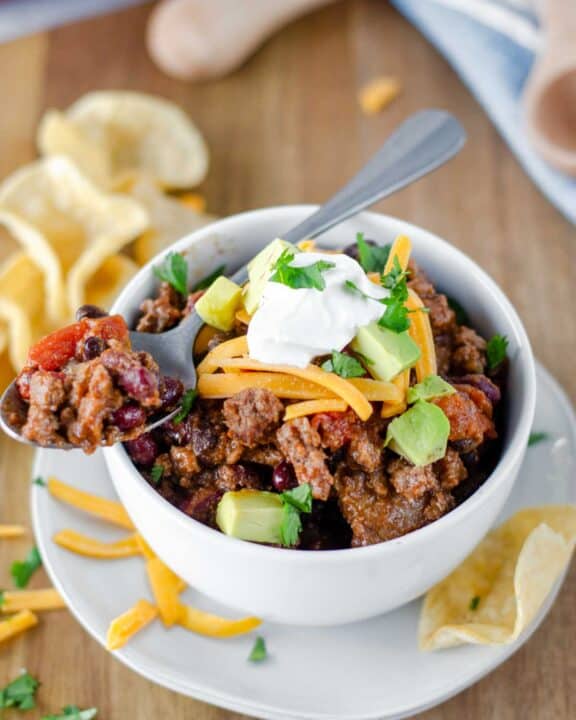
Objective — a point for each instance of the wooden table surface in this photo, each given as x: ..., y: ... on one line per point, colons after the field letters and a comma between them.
x: 286, y: 128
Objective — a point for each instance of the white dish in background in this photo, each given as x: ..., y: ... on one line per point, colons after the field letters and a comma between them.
x: 337, y: 586
x: 364, y: 671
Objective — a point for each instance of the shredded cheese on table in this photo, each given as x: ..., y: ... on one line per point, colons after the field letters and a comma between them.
x: 103, y: 508
x: 90, y: 547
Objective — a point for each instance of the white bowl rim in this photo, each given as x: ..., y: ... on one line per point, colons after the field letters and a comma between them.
x: 506, y: 463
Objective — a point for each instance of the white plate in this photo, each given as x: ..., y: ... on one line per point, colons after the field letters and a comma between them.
x: 365, y: 671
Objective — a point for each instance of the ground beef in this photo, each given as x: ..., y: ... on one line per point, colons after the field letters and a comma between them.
x: 209, y: 438
x: 202, y: 504
x: 301, y: 446
x: 237, y: 477
x: 162, y: 312
x: 94, y: 399
x: 410, y: 481
x: 366, y: 446
x: 47, y: 389
x: 375, y: 518
x: 450, y: 470
x: 469, y: 352
x: 253, y: 415
x: 442, y: 317
x: 263, y: 455
x: 185, y: 463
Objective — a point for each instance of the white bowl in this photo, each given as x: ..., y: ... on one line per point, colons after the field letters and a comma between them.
x: 337, y: 586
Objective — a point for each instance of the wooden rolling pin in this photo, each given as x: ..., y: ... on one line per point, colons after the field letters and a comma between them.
x: 550, y: 94
x: 201, y: 39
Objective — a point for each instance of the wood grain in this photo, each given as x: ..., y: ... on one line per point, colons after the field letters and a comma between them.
x: 286, y: 128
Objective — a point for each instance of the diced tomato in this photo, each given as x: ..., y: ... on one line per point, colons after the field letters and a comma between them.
x: 54, y: 351
x: 57, y: 348
x: 110, y: 327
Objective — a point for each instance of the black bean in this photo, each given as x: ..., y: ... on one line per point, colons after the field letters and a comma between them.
x: 89, y: 311
x: 93, y: 347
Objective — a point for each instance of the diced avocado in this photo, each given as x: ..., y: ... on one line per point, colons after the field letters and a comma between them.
x: 389, y: 352
x: 431, y: 387
x: 251, y: 515
x: 260, y: 269
x: 217, y: 307
x: 420, y: 434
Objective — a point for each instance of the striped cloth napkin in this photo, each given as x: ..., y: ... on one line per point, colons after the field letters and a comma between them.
x: 492, y: 45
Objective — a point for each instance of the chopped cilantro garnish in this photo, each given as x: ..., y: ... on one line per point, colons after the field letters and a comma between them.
x: 496, y: 351
x: 73, y: 712
x: 300, y: 498
x: 174, y: 271
x: 462, y: 317
x: 156, y: 473
x: 20, y: 693
x: 474, y: 603
x: 344, y: 365
x: 259, y: 651
x: 23, y: 570
x: 186, y: 405
x: 395, y: 316
x: 537, y: 437
x: 372, y: 257
x: 209, y: 279
x: 39, y: 481
x: 309, y: 276
x: 295, y: 501
x: 2, y: 598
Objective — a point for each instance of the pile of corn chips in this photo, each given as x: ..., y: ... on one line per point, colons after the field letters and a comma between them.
x: 110, y: 190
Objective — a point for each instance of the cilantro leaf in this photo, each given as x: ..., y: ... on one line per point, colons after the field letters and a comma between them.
x: 300, y: 498
x: 2, y: 598
x: 395, y: 316
x: 209, y: 279
x: 373, y: 258
x: 259, y: 651
x: 474, y: 603
x: 156, y: 473
x: 39, y: 481
x: 185, y: 405
x: 73, y: 712
x: 174, y: 271
x: 22, y: 571
x: 291, y: 526
x: 309, y: 276
x: 344, y: 365
x: 496, y: 351
x: 462, y: 317
x: 537, y: 437
x: 20, y: 693
x: 295, y: 501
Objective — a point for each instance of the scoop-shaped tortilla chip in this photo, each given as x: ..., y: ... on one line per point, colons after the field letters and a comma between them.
x: 22, y: 305
x: 110, y: 278
x: 67, y: 225
x: 57, y: 135
x: 500, y: 588
x: 170, y: 220
x: 135, y: 134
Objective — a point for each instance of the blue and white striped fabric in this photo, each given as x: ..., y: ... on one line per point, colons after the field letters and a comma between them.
x: 491, y: 44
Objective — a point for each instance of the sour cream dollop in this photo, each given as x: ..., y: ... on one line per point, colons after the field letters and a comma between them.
x: 294, y: 325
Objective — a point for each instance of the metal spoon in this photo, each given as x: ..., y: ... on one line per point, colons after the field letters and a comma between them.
x: 419, y: 145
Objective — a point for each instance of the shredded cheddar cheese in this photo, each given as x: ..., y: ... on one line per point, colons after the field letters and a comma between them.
x: 236, y: 347
x: 11, y: 531
x: 123, y: 627
x: 90, y: 547
x: 205, y: 623
x: 401, y: 248
x: 166, y: 588
x: 46, y: 599
x: 17, y: 624
x: 376, y: 95
x: 421, y: 332
x: 311, y: 407
x: 103, y: 508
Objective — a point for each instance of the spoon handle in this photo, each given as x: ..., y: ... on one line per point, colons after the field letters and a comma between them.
x: 421, y: 144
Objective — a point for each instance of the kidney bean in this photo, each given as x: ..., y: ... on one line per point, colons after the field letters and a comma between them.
x: 171, y: 391
x: 138, y: 382
x: 128, y: 417
x: 93, y: 348
x: 90, y: 311
x: 143, y: 450
x: 283, y: 477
